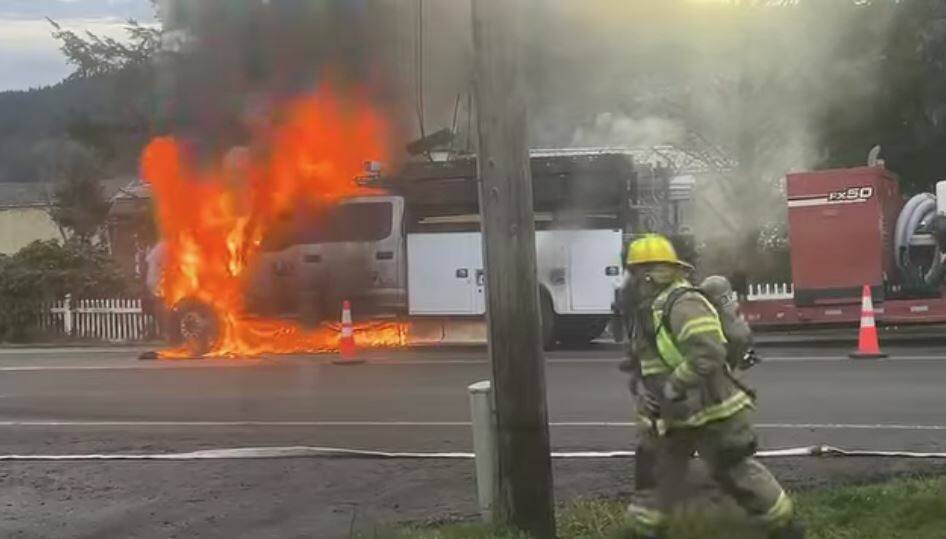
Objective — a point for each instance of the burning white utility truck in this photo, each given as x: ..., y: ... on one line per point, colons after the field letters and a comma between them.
x: 415, y: 253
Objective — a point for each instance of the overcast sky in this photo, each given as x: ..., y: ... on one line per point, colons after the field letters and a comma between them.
x: 30, y: 57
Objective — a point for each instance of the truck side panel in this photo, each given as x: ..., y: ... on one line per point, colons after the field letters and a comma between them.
x: 594, y: 269
x: 579, y: 268
x: 445, y: 274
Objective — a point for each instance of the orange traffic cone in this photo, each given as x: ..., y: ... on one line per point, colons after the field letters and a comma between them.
x: 347, y: 351
x: 867, y: 345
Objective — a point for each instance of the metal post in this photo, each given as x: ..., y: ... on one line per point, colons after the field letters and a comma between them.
x: 67, y: 315
x: 484, y: 446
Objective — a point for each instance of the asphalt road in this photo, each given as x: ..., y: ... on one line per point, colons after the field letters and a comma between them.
x: 61, y: 401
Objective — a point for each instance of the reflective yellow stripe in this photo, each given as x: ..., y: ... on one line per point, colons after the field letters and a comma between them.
x: 685, y: 373
x: 717, y: 412
x: 706, y: 327
x: 709, y: 305
x: 781, y: 512
x: 649, y: 423
x: 653, y: 371
x: 697, y: 330
x: 668, y: 349
x: 644, y: 519
x: 642, y: 528
x: 653, y: 366
x: 698, y: 321
x: 729, y: 407
x: 651, y: 521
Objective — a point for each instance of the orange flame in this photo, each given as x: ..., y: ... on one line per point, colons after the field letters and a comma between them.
x: 213, y: 218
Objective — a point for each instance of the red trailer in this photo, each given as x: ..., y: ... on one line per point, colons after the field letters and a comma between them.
x: 842, y: 227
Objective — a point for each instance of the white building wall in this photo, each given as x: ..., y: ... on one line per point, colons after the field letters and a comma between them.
x: 20, y: 226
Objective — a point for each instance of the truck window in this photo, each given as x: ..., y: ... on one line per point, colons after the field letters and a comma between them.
x: 369, y: 221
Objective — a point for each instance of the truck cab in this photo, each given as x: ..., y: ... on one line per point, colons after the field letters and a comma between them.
x: 352, y: 251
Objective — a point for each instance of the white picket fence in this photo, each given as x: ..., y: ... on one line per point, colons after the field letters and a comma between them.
x: 770, y: 291
x: 113, y: 320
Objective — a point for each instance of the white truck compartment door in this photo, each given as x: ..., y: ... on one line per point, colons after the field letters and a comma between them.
x: 442, y: 273
x: 594, y: 269
x: 551, y: 249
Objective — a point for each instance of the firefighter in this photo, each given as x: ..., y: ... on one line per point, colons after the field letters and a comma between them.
x: 690, y: 399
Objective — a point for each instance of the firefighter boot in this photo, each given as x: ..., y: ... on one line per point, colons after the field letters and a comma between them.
x: 792, y: 530
x: 645, y: 523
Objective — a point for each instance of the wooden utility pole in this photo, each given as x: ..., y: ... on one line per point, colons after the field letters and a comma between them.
x: 524, y: 498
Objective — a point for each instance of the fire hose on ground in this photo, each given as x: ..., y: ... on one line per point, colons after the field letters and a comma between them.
x: 338, y: 452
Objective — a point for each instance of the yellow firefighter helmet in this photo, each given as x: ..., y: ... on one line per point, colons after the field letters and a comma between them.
x: 653, y: 249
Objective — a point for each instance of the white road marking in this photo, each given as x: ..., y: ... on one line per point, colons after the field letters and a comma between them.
x: 72, y: 351
x: 848, y: 426
x: 80, y: 423
x: 617, y: 359
x: 891, y: 359
x: 148, y: 366
x: 38, y: 368
x: 385, y: 362
x: 357, y: 424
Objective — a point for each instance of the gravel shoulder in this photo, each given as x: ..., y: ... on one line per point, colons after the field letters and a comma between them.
x: 315, y: 498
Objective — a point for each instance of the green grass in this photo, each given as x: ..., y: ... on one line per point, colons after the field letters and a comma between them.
x: 905, y: 508
x: 451, y: 531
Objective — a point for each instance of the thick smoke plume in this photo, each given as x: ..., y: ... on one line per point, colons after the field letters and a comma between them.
x: 740, y: 86
x: 228, y: 64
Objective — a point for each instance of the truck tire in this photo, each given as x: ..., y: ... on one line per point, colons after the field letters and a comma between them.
x: 194, y: 326
x: 547, y: 316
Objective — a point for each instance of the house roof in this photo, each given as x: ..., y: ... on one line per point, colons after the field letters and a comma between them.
x: 133, y: 189
x: 38, y: 194
x: 24, y: 194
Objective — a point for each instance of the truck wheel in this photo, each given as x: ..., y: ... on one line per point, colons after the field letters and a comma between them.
x: 194, y: 326
x: 547, y: 316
